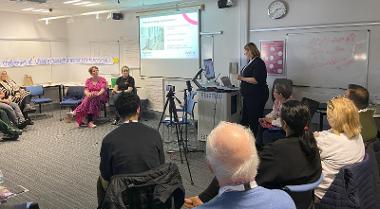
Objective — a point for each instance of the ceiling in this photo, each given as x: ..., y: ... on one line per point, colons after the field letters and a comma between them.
x: 59, y: 8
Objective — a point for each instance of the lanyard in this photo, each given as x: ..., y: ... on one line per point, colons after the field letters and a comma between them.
x: 240, y: 187
x: 245, y: 66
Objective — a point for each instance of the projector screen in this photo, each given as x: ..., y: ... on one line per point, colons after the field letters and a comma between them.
x: 169, y: 45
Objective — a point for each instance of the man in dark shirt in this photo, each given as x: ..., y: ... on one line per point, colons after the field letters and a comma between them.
x: 132, y: 147
x: 124, y: 83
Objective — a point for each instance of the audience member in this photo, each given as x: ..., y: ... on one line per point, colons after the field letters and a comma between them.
x: 270, y: 125
x: 232, y: 157
x: 15, y: 93
x: 360, y: 97
x: 293, y: 160
x: 341, y: 145
x: 13, y: 111
x: 124, y: 83
x: 132, y: 147
x: 95, y: 95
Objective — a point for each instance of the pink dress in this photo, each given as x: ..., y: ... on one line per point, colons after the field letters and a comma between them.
x: 92, y: 106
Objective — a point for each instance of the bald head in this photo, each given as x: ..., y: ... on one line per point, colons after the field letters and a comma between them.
x: 231, y: 154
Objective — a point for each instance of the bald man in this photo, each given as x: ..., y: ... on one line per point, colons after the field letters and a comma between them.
x: 232, y: 156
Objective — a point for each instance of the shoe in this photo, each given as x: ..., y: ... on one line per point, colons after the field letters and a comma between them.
x: 22, y: 124
x: 91, y: 125
x: 11, y: 136
x: 115, y: 122
x: 71, y: 114
x: 29, y: 122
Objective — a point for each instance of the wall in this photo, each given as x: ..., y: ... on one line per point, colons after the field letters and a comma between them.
x: 308, y: 12
x: 27, y: 28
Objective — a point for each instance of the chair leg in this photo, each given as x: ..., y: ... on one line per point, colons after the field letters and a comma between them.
x: 40, y: 108
x: 60, y: 113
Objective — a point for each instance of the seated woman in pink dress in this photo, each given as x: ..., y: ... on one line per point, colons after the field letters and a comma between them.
x: 95, y: 95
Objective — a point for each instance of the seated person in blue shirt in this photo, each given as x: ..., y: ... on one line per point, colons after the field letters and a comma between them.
x: 124, y: 83
x: 232, y: 156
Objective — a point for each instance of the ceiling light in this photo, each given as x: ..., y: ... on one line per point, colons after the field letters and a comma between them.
x: 45, y: 11
x: 96, y: 12
x: 27, y: 9
x: 54, y: 18
x: 37, y: 10
x: 83, y: 3
x: 72, y: 1
x: 92, y: 4
x: 47, y: 22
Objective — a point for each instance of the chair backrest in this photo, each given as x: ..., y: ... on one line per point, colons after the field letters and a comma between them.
x: 36, y: 90
x: 353, y: 187
x: 160, y: 188
x: 285, y: 81
x: 312, y: 104
x: 304, y: 187
x: 75, y: 92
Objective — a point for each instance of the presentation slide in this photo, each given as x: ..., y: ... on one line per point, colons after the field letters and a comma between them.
x: 173, y: 36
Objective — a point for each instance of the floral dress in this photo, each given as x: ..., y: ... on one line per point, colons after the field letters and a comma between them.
x: 92, y: 105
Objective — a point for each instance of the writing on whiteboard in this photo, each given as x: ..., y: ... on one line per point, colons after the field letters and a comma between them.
x: 344, y: 49
x: 9, y: 63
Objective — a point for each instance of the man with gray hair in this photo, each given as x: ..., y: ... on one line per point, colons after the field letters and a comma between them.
x: 232, y: 156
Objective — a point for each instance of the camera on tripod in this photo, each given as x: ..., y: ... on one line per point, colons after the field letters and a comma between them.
x: 170, y: 88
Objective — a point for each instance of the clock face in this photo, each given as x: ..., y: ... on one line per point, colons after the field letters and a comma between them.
x: 277, y: 9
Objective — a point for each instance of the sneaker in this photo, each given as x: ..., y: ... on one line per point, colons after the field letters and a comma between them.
x: 91, y: 125
x: 11, y: 136
x: 22, y: 124
x: 115, y: 122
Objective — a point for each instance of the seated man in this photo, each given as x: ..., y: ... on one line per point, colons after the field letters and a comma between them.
x: 360, y: 97
x: 232, y: 156
x: 131, y: 148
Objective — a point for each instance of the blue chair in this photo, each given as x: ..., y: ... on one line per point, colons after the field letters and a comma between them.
x: 73, y: 98
x: 38, y: 90
x: 303, y: 187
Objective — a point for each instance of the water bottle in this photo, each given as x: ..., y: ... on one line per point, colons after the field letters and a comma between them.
x: 1, y: 178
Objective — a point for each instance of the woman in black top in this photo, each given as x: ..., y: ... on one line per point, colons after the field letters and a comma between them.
x: 253, y: 87
x: 124, y: 83
x: 293, y: 160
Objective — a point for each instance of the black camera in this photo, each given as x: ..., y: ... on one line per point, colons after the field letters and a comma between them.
x: 170, y: 88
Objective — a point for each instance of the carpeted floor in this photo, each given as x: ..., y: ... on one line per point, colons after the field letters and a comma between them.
x: 59, y: 163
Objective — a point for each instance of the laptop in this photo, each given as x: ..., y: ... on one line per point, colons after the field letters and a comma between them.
x: 227, y: 85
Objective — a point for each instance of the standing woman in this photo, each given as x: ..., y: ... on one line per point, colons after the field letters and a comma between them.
x: 253, y: 87
x: 95, y: 95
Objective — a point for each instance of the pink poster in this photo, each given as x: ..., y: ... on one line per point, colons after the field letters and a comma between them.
x: 272, y: 52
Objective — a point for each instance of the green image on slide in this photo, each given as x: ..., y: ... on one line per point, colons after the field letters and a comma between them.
x: 152, y: 38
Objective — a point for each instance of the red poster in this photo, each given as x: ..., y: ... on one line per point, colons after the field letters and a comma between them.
x: 272, y: 52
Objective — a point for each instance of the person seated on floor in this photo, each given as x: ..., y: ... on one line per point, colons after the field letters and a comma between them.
x: 124, y: 83
x: 130, y: 148
x: 293, y: 160
x: 13, y: 111
x: 360, y: 97
x: 232, y: 156
x: 270, y: 125
x: 342, y: 145
x: 15, y: 93
x: 95, y: 95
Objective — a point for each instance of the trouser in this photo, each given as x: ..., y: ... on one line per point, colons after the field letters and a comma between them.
x: 253, y: 109
x: 13, y: 111
x: 112, y: 104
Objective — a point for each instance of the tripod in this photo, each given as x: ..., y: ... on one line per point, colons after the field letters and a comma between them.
x: 173, y: 115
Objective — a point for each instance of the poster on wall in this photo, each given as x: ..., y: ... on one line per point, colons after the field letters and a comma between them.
x: 273, y: 54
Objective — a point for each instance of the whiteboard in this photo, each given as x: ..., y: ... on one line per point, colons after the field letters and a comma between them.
x: 330, y: 59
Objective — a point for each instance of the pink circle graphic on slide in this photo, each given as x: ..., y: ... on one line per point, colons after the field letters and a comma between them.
x: 188, y: 19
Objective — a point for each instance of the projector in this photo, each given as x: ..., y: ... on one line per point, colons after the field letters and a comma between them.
x: 225, y: 3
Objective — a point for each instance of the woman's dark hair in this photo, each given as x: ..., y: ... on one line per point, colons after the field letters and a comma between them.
x: 296, y: 115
